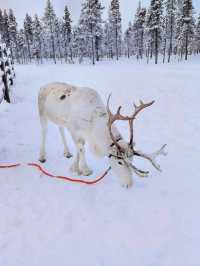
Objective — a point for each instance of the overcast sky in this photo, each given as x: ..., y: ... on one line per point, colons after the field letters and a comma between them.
x: 21, y: 7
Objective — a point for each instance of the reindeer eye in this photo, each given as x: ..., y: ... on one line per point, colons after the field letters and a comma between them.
x: 120, y: 163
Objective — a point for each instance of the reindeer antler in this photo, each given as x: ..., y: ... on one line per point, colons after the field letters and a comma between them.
x: 152, y: 156
x: 118, y: 116
x: 111, y: 119
x: 138, y: 109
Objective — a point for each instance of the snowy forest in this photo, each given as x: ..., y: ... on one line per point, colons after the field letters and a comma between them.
x: 164, y: 29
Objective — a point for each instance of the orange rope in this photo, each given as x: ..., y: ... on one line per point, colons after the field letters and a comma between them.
x: 10, y: 166
x: 69, y: 179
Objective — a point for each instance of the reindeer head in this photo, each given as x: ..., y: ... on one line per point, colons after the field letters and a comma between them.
x: 121, y: 153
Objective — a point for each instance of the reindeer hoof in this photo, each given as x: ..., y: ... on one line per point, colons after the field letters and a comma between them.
x: 42, y: 160
x: 68, y: 155
x: 87, y: 172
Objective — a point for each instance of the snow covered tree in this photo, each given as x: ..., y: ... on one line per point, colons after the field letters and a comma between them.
x: 185, y: 29
x: 178, y: 28
x: 21, y: 40
x: 1, y: 22
x: 67, y: 33
x: 197, y: 36
x: 2, y: 75
x: 170, y: 25
x: 12, y: 28
x: 115, y: 25
x: 28, y: 30
x: 37, y: 38
x: 5, y: 35
x: 152, y: 32
x: 58, y: 38
x: 128, y: 38
x: 90, y: 27
x: 188, y: 27
x: 81, y: 35
x: 138, y: 31
x: 49, y: 21
x: 107, y: 42
x: 7, y: 73
x: 154, y: 20
x: 75, y: 41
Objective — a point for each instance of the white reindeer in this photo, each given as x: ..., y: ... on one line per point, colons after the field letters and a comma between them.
x: 83, y: 113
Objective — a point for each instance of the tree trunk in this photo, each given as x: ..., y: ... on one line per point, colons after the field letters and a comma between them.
x: 186, y: 46
x: 116, y: 43
x: 53, y: 48
x: 156, y: 46
x: 97, y: 48
x: 29, y: 49
x: 164, y: 53
x: 171, y: 34
x: 93, y: 51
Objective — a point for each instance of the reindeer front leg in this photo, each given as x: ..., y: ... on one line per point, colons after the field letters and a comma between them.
x: 80, y: 165
x: 75, y: 166
x: 42, y: 157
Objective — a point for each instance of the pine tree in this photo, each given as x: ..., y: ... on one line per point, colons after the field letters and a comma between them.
x: 75, y: 41
x: 138, y: 31
x: 128, y: 39
x: 21, y: 40
x: 178, y: 50
x: 37, y: 38
x: 4, y: 82
x: 12, y: 28
x: 94, y: 25
x: 81, y: 34
x: 58, y: 37
x: 67, y: 33
x: 188, y: 27
x: 115, y: 27
x: 1, y: 22
x: 147, y: 37
x: 107, y: 41
x: 90, y: 27
x: 154, y: 27
x: 28, y: 30
x: 6, y: 72
x: 171, y: 11
x: 197, y: 36
x: 5, y: 35
x: 164, y: 37
x: 49, y: 21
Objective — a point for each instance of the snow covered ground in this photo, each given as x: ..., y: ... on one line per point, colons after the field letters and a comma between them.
x: 47, y: 222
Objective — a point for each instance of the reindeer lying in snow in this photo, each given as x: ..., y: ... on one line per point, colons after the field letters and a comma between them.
x: 83, y: 113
